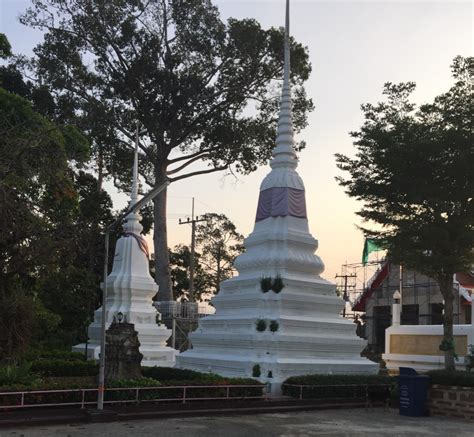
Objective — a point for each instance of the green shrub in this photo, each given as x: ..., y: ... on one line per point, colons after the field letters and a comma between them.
x: 125, y: 394
x: 126, y: 383
x: 17, y: 374
x: 256, y: 372
x: 169, y: 373
x: 45, y: 398
x: 261, y: 325
x: 458, y: 378
x: 54, y: 367
x: 274, y: 325
x: 278, y: 285
x: 216, y: 391
x: 129, y: 393
x: 351, y: 386
x: 266, y: 284
x: 55, y: 355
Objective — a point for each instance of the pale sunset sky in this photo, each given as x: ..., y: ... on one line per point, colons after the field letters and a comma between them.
x: 355, y: 47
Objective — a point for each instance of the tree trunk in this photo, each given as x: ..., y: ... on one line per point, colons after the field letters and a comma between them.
x: 160, y: 240
x: 100, y: 170
x: 446, y: 287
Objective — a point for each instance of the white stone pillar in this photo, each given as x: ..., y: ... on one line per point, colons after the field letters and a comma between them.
x: 396, y: 309
x: 472, y: 310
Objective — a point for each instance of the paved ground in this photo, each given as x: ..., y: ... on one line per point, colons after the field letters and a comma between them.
x: 347, y: 423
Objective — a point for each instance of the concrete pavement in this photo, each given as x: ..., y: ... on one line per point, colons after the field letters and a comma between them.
x: 335, y: 423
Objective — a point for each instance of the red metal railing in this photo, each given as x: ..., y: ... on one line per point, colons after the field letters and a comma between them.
x: 185, y: 391
x: 22, y: 397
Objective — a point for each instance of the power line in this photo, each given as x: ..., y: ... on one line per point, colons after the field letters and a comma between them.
x: 345, y: 296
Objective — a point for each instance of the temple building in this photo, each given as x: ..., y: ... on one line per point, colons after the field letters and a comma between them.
x: 130, y: 289
x: 278, y: 318
x: 422, y: 302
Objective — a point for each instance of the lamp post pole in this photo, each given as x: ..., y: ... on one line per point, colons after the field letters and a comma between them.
x: 133, y: 209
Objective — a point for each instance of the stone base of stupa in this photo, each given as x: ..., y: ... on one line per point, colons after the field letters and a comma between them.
x: 311, y: 338
x: 152, y: 339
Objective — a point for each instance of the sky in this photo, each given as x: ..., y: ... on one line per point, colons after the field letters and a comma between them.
x: 355, y: 47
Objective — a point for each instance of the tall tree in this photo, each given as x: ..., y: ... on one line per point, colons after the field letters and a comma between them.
x: 34, y: 189
x: 219, y: 244
x: 180, y: 261
x: 413, y: 173
x: 51, y: 219
x: 204, y: 91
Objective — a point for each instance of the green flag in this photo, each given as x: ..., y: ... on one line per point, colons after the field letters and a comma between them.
x: 369, y: 247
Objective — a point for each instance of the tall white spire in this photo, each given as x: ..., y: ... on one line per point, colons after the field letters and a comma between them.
x: 308, y: 335
x: 284, y: 153
x: 134, y: 194
x: 132, y: 222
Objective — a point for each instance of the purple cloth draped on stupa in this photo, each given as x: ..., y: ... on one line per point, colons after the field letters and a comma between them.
x: 280, y: 202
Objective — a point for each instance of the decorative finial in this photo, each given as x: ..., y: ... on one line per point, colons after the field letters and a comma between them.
x: 284, y: 153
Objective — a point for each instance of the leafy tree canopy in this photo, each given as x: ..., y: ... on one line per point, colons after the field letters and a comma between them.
x: 51, y: 219
x: 5, y: 47
x: 219, y: 243
x: 180, y: 257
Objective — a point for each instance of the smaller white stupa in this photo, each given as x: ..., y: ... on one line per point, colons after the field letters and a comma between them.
x: 130, y: 289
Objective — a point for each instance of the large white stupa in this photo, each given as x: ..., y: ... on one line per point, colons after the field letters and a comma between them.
x: 298, y: 330
x: 130, y: 289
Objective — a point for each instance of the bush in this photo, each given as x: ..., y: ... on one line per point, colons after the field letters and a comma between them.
x: 266, y: 284
x: 274, y: 325
x: 174, y: 392
x: 54, y: 355
x: 458, y: 378
x: 119, y: 395
x: 216, y: 390
x: 278, y: 284
x: 170, y: 373
x: 256, y: 372
x: 65, y: 367
x: 351, y: 386
x: 261, y: 325
x: 16, y: 374
x: 49, y: 384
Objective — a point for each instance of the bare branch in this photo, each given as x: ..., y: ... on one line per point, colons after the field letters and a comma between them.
x: 192, y: 155
x: 189, y: 162
x: 196, y: 173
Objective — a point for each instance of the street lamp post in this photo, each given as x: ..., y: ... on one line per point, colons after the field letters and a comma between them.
x: 133, y: 209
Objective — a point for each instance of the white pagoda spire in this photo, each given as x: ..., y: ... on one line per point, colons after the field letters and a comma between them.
x: 132, y: 223
x: 134, y: 194
x: 131, y: 289
x: 282, y: 332
x: 284, y: 153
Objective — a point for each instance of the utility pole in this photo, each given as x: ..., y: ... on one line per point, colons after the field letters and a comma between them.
x: 345, y: 297
x: 193, y: 222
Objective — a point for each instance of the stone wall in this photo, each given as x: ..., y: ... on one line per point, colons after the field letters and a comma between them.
x: 451, y: 401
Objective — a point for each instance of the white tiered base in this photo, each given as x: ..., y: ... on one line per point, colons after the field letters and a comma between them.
x: 311, y: 339
x: 154, y: 356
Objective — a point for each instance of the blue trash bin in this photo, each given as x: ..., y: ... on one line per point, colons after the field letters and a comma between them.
x: 413, y: 391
